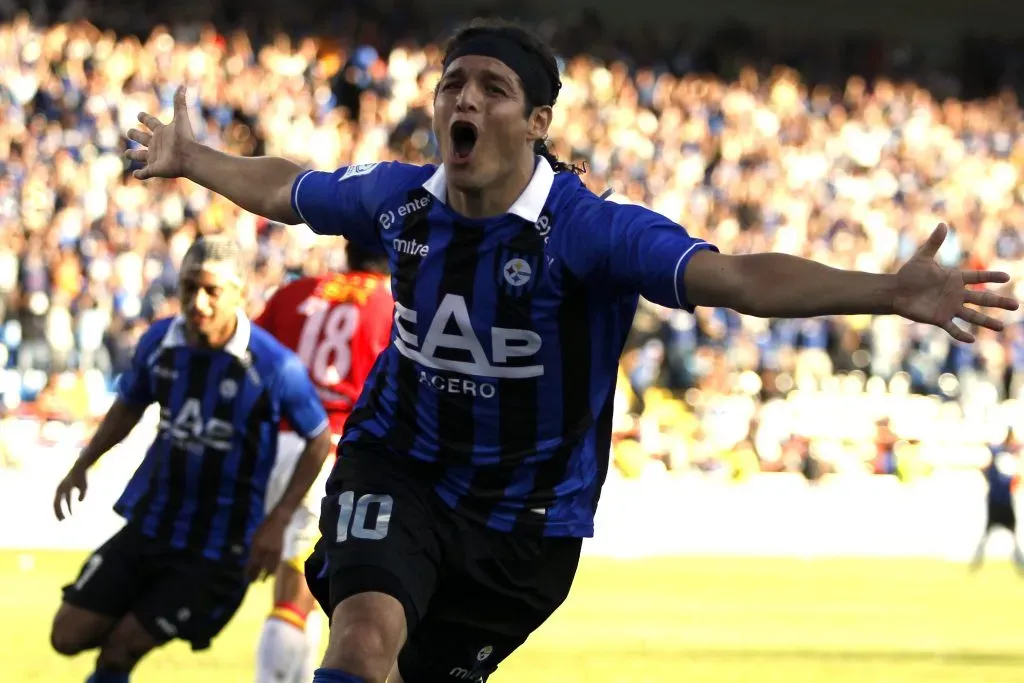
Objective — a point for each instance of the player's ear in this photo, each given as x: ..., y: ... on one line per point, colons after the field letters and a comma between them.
x: 538, y: 123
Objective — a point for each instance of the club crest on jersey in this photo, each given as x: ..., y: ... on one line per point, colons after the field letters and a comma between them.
x: 358, y: 170
x: 518, y: 272
x: 228, y: 389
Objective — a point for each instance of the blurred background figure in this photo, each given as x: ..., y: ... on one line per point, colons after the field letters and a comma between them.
x: 1002, y: 474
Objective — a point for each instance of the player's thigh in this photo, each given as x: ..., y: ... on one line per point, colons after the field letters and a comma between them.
x: 108, y: 583
x: 127, y: 643
x: 495, y: 594
x: 192, y: 600
x: 377, y: 535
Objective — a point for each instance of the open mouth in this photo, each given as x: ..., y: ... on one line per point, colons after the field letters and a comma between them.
x: 464, y: 137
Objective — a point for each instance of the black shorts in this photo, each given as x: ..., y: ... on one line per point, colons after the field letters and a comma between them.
x: 1001, y: 514
x: 471, y: 595
x: 173, y: 593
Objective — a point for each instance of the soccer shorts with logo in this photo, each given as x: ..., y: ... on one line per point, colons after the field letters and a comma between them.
x: 173, y: 593
x: 471, y: 595
x: 302, y: 531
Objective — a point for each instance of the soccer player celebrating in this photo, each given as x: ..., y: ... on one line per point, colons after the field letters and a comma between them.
x: 338, y: 324
x: 196, y: 532
x: 471, y: 467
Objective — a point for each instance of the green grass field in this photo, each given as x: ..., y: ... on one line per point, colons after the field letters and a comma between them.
x: 644, y: 621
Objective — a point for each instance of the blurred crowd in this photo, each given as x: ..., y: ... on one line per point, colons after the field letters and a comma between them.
x: 854, y: 175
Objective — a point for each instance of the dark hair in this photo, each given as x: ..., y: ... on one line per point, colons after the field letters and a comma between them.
x: 220, y: 248
x: 364, y: 260
x: 533, y: 43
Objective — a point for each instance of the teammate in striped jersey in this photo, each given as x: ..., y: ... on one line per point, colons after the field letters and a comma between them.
x: 337, y: 324
x: 471, y: 468
x: 196, y: 531
x: 1002, y: 475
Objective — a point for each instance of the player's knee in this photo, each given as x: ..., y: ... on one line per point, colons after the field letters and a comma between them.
x: 366, y: 634
x: 70, y: 635
x: 361, y: 647
x: 65, y: 640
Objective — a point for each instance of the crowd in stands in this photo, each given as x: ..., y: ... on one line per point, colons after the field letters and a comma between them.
x: 854, y: 175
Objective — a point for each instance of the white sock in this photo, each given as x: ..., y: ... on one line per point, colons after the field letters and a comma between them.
x: 314, y: 634
x: 282, y: 652
x: 979, y: 552
x: 1018, y: 555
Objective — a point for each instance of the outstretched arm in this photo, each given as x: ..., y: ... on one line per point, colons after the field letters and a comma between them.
x: 260, y: 185
x: 272, y: 187
x: 783, y: 286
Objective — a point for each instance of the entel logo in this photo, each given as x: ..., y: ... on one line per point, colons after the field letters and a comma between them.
x: 387, y: 219
x: 543, y: 226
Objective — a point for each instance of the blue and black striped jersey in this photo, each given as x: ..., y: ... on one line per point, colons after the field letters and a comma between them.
x: 507, y: 332
x: 203, y: 481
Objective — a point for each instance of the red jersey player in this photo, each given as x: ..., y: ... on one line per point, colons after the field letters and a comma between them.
x: 337, y: 324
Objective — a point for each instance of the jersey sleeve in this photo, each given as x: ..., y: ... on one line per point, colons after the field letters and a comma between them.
x: 344, y: 202
x: 300, y: 403
x: 630, y: 248
x: 135, y: 386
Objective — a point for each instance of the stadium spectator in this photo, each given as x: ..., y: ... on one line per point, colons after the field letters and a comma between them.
x: 854, y: 176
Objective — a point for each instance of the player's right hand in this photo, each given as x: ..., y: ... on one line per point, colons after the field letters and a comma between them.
x: 75, y: 479
x: 162, y: 144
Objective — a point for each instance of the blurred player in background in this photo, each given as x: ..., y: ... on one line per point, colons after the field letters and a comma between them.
x: 471, y: 468
x: 197, y: 533
x: 337, y: 324
x: 1002, y: 474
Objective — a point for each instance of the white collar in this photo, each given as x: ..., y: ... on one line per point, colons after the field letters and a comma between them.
x: 529, y: 204
x: 236, y: 346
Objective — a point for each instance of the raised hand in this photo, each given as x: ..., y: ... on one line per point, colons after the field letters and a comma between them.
x: 163, y: 144
x: 927, y: 292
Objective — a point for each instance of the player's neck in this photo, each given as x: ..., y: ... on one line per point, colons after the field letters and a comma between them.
x: 216, y: 339
x: 494, y: 200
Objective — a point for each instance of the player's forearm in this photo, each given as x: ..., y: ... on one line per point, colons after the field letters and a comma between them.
x: 117, y: 424
x: 783, y: 286
x: 260, y: 185
x: 306, y: 471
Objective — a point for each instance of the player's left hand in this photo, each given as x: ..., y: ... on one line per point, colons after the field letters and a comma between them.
x: 267, y: 544
x: 927, y: 292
